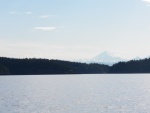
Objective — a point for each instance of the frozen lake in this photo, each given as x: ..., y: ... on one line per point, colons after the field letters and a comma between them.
x: 75, y: 94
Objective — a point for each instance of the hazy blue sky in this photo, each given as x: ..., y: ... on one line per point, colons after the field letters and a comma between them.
x: 74, y: 29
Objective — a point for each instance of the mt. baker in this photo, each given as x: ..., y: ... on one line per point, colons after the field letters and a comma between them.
x: 104, y: 58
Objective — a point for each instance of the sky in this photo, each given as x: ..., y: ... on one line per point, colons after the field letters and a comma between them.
x: 74, y: 29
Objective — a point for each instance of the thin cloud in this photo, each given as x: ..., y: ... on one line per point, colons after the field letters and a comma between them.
x: 47, y: 16
x: 15, y: 13
x: 29, y: 13
x: 45, y: 28
x: 147, y: 1
x: 12, y: 12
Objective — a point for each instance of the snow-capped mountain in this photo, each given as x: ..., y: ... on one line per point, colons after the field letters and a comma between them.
x: 107, y: 58
x: 104, y: 58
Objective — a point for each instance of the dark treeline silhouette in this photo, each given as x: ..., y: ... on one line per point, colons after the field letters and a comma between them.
x: 133, y: 66
x: 11, y: 66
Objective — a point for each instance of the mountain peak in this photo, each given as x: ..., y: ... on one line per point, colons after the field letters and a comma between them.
x: 106, y: 53
x: 107, y: 58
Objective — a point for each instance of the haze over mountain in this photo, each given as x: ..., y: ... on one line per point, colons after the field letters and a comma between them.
x: 137, y: 58
x: 107, y: 58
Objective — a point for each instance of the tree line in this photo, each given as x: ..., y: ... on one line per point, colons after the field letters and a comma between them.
x: 133, y: 66
x: 13, y: 66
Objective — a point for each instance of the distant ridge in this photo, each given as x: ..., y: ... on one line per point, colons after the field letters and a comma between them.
x: 105, y: 57
x: 133, y: 66
x: 12, y: 66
